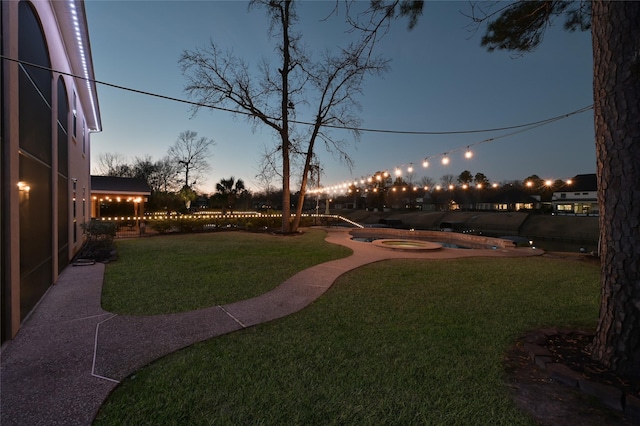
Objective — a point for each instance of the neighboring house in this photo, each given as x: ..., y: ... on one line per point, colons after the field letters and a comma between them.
x: 509, y: 199
x: 504, y: 199
x: 46, y: 121
x: 118, y: 196
x: 579, y: 197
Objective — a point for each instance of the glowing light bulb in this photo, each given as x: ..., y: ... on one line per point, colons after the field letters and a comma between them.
x: 410, y: 168
x: 468, y: 154
x: 398, y: 172
x: 425, y: 163
x: 445, y: 160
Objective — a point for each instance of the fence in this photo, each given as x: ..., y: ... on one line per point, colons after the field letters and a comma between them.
x: 142, y: 226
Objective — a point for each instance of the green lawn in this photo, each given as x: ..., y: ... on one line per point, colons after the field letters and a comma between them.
x: 396, y: 342
x: 177, y: 273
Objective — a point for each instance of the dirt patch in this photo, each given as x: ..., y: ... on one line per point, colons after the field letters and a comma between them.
x: 551, y: 403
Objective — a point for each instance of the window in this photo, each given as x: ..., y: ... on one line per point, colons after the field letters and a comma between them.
x: 75, y: 113
x: 75, y: 228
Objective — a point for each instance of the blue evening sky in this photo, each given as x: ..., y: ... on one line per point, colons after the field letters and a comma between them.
x: 440, y: 80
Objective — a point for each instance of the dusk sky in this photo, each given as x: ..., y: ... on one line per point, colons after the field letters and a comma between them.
x: 440, y: 80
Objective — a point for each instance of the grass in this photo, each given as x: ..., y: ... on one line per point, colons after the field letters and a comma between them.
x: 179, y: 273
x: 397, y: 342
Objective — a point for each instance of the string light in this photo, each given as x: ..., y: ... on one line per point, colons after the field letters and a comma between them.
x: 468, y: 154
x: 425, y: 163
x: 410, y: 168
x: 445, y: 159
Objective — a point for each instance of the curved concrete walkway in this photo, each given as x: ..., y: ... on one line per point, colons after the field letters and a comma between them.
x: 70, y: 353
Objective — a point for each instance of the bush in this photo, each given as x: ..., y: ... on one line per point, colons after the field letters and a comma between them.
x: 99, y: 244
x: 161, y: 226
x: 99, y: 230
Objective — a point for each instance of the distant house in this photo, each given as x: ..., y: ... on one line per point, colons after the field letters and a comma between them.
x: 46, y: 121
x: 118, y: 196
x: 504, y: 199
x: 579, y: 197
x: 509, y: 199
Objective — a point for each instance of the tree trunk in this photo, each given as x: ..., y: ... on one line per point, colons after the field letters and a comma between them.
x: 305, y: 174
x: 616, y: 85
x: 284, y: 133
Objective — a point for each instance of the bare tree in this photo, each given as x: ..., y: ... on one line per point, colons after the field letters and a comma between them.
x: 189, y: 155
x: 268, y: 170
x: 447, y: 180
x: 427, y: 182
x: 112, y: 164
x: 165, y: 178
x: 327, y: 86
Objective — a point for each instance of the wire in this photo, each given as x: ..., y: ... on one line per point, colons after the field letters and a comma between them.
x: 358, y: 129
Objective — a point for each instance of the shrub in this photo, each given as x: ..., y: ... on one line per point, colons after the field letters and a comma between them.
x: 99, y: 230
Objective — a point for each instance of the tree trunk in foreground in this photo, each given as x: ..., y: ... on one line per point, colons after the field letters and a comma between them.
x: 616, y: 85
